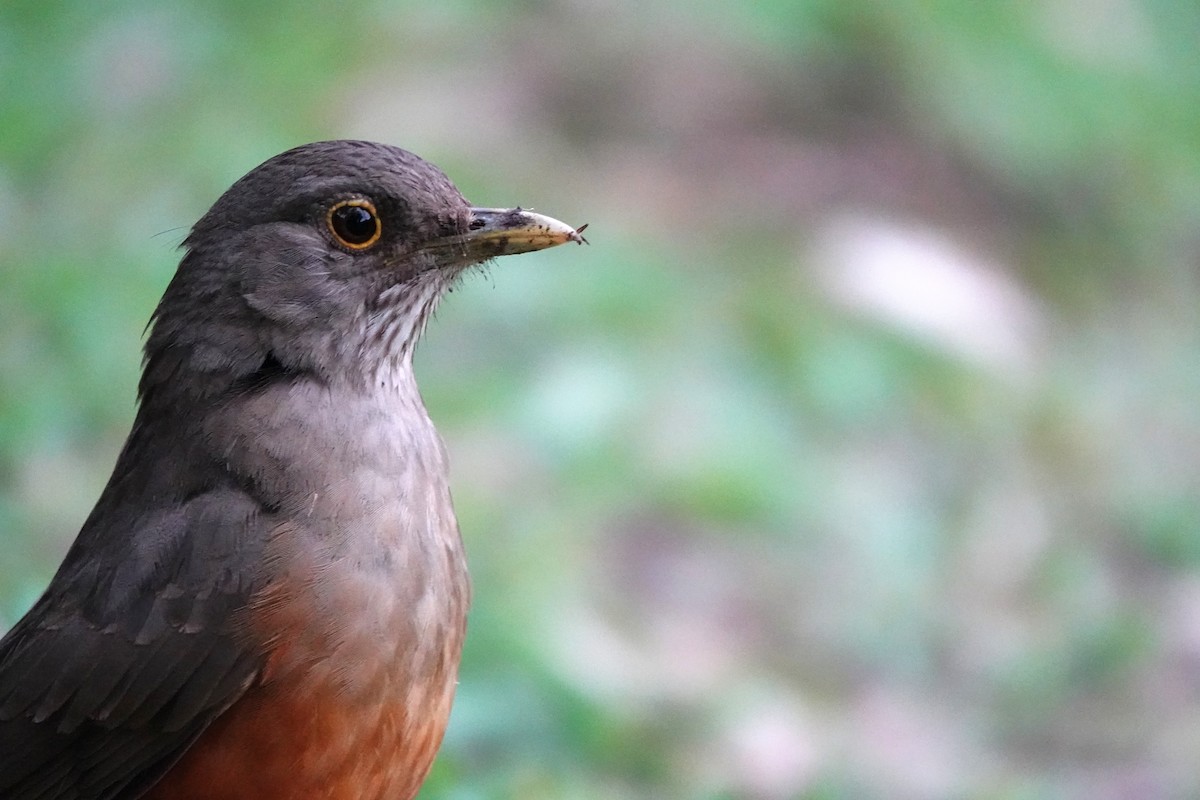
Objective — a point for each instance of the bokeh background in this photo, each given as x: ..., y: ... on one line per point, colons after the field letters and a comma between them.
x: 858, y: 457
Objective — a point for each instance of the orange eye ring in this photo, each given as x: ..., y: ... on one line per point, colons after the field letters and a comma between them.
x: 354, y: 224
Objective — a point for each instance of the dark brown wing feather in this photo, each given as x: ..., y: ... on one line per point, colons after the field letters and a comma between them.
x: 134, y: 649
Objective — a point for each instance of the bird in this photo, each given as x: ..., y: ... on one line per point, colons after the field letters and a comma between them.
x: 269, y: 598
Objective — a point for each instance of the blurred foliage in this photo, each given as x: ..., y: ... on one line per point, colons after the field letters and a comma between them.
x: 858, y: 456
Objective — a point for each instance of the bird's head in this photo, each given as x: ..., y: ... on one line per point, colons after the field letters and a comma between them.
x: 325, y: 260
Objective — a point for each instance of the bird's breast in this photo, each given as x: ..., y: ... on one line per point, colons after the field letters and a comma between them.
x: 361, y: 622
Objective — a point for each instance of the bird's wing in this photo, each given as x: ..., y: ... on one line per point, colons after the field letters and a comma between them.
x: 134, y: 649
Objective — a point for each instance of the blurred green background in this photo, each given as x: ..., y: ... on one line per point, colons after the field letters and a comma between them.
x: 858, y: 457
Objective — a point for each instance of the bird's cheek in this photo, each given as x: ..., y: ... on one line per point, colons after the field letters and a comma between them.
x: 281, y: 305
x: 448, y: 261
x: 421, y: 261
x: 293, y: 294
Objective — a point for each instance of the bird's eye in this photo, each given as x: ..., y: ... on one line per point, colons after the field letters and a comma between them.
x: 354, y: 224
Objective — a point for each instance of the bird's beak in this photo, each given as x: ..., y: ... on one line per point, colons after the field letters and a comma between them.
x: 503, y: 232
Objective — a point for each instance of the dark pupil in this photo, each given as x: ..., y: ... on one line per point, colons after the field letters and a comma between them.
x: 355, y: 224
